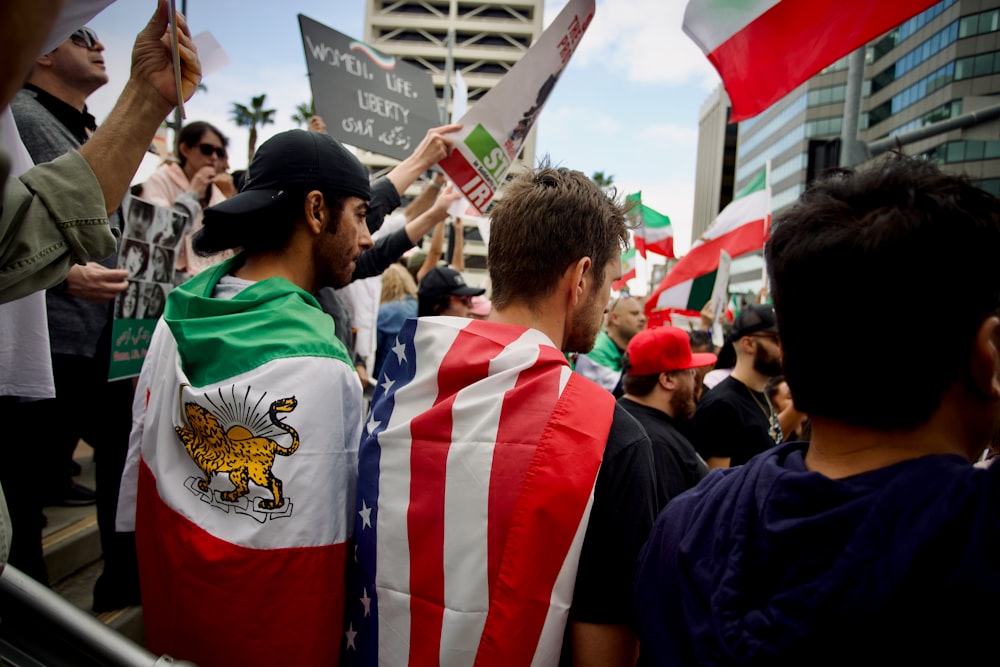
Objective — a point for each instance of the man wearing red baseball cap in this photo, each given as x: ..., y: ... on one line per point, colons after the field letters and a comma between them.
x: 660, y: 390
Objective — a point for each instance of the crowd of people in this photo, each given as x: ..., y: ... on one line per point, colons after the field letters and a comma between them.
x: 338, y: 451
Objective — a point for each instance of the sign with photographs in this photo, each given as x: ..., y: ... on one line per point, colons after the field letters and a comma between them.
x: 149, y: 247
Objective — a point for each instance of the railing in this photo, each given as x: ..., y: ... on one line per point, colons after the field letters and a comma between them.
x: 40, y: 627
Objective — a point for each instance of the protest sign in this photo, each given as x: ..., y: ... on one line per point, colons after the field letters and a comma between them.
x: 494, y: 129
x: 367, y: 99
x: 720, y: 296
x: 149, y: 247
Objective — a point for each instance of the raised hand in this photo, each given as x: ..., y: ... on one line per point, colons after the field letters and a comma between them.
x: 153, y: 64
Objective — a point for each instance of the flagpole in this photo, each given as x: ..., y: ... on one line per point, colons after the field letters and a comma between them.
x: 770, y: 212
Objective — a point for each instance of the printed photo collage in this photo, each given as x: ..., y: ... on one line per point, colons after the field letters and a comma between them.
x: 149, y: 248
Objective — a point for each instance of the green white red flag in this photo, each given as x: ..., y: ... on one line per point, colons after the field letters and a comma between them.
x: 763, y: 49
x: 740, y: 228
x: 653, y: 231
x: 628, y: 269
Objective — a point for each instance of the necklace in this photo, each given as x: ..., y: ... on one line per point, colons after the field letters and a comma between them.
x: 774, y: 430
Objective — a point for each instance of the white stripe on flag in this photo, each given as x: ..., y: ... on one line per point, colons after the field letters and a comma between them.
x: 676, y: 296
x: 392, y: 570
x: 476, y: 422
x: 710, y: 25
x: 754, y: 206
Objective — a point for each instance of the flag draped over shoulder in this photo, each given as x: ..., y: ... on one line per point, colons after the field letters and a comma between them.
x: 740, y: 228
x: 652, y: 230
x: 763, y: 49
x: 628, y: 269
x: 474, y: 494
x: 240, y: 478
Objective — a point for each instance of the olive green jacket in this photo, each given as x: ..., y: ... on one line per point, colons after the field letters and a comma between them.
x: 51, y: 217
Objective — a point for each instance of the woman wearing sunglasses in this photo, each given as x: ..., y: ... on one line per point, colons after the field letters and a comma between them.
x: 186, y: 182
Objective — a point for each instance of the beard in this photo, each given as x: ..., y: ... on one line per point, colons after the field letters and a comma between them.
x: 585, y: 326
x: 766, y: 363
x: 682, y: 401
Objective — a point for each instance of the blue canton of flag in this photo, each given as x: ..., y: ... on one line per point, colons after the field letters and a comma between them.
x: 361, y: 618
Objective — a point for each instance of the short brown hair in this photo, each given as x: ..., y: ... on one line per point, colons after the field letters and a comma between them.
x: 545, y: 220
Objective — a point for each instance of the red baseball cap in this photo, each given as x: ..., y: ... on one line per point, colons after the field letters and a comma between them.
x: 661, y: 350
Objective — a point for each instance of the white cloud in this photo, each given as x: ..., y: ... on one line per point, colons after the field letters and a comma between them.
x: 672, y: 133
x: 642, y: 41
x: 565, y: 121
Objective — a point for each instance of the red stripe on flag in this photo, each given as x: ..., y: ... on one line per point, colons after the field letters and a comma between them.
x: 550, y: 506
x: 621, y: 282
x: 526, y: 410
x: 430, y: 432
x: 200, y: 592
x: 705, y: 257
x: 664, y: 247
x: 794, y: 40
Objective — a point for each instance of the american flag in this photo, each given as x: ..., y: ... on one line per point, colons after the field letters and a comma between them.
x: 476, y: 477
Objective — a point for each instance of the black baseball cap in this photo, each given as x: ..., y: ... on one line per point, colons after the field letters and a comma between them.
x: 754, y: 318
x: 445, y: 281
x: 288, y: 162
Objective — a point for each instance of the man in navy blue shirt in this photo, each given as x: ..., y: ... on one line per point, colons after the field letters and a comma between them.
x: 877, y: 542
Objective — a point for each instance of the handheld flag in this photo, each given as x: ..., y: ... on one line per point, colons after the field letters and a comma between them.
x: 495, y: 128
x: 653, y: 231
x: 763, y: 49
x: 628, y: 270
x: 740, y: 228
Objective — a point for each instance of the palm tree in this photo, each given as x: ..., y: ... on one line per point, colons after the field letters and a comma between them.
x: 303, y: 112
x: 251, y: 117
x: 602, y: 180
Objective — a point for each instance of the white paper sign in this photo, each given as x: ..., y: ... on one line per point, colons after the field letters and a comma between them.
x: 720, y: 295
x: 495, y: 128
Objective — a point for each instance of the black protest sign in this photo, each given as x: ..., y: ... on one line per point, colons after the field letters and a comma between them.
x: 367, y: 99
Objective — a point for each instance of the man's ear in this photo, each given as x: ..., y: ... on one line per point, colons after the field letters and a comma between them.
x: 985, y: 361
x: 314, y: 211
x: 668, y: 381
x: 577, y: 276
x: 746, y: 343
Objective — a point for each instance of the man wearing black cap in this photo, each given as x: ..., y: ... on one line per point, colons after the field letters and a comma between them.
x: 443, y: 292
x: 735, y: 420
x: 660, y: 392
x: 243, y: 457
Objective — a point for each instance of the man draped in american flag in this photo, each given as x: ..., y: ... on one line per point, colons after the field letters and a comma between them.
x: 502, y: 499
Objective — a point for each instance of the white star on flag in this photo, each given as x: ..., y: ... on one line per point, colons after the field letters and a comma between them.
x: 400, y: 351
x: 366, y: 515
x: 387, y: 385
x: 366, y: 601
x: 372, y: 425
x: 351, y: 634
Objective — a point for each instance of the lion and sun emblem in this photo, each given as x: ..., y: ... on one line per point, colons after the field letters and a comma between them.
x: 237, y: 440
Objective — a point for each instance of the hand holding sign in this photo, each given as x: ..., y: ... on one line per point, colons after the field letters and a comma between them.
x: 496, y: 127
x: 153, y: 62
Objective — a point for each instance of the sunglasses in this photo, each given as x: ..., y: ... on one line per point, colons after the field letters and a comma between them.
x: 208, y: 149
x: 85, y: 38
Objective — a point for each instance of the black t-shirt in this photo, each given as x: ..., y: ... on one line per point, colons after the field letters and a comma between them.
x: 729, y: 423
x: 620, y: 521
x: 678, y: 466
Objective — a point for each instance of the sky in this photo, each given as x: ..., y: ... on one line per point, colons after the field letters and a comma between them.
x: 627, y: 104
